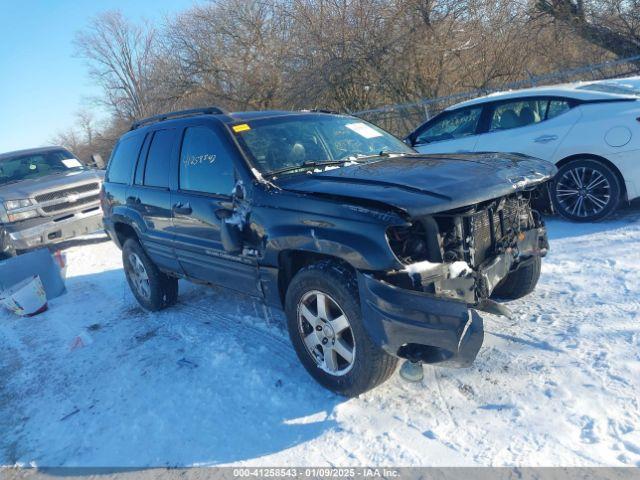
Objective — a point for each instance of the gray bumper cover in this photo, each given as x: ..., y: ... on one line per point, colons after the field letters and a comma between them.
x: 27, y: 235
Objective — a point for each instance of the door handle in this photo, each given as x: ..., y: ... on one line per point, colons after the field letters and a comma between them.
x: 546, y: 138
x: 182, y: 208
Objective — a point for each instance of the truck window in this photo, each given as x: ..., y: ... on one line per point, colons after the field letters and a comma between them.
x: 156, y: 171
x: 123, y: 159
x: 206, y: 162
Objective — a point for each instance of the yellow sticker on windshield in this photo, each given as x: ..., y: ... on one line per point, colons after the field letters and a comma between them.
x: 243, y: 127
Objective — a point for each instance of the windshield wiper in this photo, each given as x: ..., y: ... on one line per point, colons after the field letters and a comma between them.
x: 309, y: 164
x: 359, y: 157
x: 382, y: 153
x: 10, y: 182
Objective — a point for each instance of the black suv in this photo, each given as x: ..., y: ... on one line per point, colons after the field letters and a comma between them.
x: 374, y: 252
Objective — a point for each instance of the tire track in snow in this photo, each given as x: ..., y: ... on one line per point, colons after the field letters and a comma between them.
x: 242, y: 329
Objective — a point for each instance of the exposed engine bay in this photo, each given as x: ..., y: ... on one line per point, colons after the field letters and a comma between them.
x: 464, y: 254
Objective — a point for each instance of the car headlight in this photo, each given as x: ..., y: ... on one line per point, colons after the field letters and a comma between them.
x: 14, y: 207
x: 16, y: 204
x: 16, y: 217
x: 3, y: 214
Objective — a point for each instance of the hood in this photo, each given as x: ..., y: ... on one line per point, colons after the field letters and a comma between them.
x: 56, y: 181
x: 425, y: 184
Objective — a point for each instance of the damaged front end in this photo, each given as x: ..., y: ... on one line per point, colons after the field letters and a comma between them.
x: 452, y: 261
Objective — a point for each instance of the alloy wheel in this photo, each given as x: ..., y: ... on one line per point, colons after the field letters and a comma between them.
x: 139, y: 276
x: 326, y: 332
x: 583, y: 192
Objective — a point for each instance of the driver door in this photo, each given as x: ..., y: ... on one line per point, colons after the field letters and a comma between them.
x: 450, y: 132
x: 205, y: 183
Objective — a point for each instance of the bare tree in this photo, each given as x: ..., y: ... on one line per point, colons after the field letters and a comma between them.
x: 120, y: 56
x: 611, y: 24
x: 347, y: 55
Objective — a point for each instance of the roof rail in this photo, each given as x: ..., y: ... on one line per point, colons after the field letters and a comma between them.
x: 178, y: 114
x: 323, y: 110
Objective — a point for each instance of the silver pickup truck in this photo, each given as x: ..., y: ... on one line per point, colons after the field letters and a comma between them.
x: 46, y: 196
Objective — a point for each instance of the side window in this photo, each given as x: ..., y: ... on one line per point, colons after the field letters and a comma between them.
x: 156, y: 170
x: 206, y: 162
x: 452, y: 125
x: 557, y: 107
x: 518, y: 114
x: 123, y: 159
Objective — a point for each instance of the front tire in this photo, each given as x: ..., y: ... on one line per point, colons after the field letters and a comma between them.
x: 327, y: 332
x: 153, y: 289
x: 585, y: 190
x: 520, y: 282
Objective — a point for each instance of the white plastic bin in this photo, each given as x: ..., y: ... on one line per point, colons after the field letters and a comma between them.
x: 26, y: 298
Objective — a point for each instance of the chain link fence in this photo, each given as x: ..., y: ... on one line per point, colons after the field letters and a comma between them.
x: 401, y: 119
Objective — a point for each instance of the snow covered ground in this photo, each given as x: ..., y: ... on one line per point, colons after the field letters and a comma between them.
x: 214, y: 380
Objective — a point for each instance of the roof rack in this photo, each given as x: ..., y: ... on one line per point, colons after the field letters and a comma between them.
x: 322, y: 110
x: 178, y: 114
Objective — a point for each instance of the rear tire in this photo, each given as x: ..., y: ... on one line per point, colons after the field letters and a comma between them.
x: 336, y: 283
x: 585, y: 190
x: 519, y: 283
x: 153, y: 289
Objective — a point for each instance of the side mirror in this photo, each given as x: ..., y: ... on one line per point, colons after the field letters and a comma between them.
x: 408, y: 141
x: 230, y: 233
x: 231, y: 237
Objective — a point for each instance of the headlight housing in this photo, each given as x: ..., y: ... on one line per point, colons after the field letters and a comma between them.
x: 3, y: 214
x: 16, y: 217
x: 17, y: 204
x: 16, y: 209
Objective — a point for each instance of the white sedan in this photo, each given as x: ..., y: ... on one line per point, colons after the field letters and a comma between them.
x: 590, y: 130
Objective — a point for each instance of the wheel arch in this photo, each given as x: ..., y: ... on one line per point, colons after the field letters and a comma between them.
x: 292, y: 261
x: 124, y: 231
x: 603, y: 160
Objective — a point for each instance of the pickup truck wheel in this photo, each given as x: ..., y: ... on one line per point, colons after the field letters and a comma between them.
x: 585, y: 190
x: 519, y: 283
x: 153, y: 289
x: 325, y: 326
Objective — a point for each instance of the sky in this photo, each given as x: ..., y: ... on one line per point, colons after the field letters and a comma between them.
x: 42, y: 84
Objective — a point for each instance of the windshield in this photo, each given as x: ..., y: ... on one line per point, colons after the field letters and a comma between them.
x: 35, y: 165
x: 620, y: 87
x: 284, y: 143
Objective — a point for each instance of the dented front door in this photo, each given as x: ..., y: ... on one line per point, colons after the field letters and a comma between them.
x: 205, y: 182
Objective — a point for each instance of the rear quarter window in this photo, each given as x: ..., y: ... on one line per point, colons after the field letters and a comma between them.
x: 123, y: 159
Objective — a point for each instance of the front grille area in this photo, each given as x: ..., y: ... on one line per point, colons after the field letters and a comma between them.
x: 488, y: 227
x: 47, y: 197
x: 480, y: 229
x: 60, y: 207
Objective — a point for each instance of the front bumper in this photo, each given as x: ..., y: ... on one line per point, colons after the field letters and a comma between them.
x: 49, y: 230
x: 419, y: 326
x: 441, y: 327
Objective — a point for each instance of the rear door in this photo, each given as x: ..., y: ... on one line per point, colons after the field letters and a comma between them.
x: 206, y: 180
x: 531, y: 126
x: 450, y: 132
x: 150, y: 197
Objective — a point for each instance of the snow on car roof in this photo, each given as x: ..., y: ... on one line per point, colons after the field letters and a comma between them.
x: 576, y: 90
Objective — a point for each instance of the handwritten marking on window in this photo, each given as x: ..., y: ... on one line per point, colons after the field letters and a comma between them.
x: 192, y: 160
